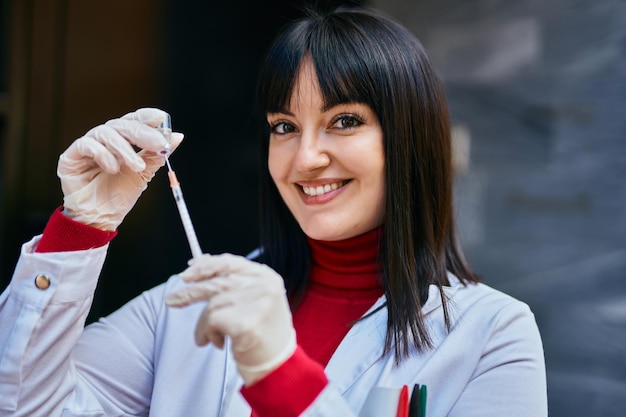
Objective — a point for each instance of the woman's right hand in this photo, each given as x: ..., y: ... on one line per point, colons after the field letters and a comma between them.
x: 246, y: 301
x: 102, y: 175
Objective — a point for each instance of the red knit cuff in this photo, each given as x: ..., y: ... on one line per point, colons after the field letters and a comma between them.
x: 63, y: 234
x: 289, y: 389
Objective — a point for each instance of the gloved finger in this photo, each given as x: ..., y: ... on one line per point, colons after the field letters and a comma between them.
x: 106, y: 147
x: 230, y: 294
x: 118, y: 145
x: 139, y: 134
x: 224, y: 264
x: 215, y: 324
x: 154, y: 160
x: 176, y: 139
x: 205, y: 334
x: 72, y: 161
x: 191, y: 294
x: 227, y: 314
x: 148, y: 115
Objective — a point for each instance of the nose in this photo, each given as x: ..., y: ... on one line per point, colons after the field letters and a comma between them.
x: 311, y: 154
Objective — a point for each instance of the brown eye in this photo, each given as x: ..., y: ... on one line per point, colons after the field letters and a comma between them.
x: 347, y: 121
x: 282, y: 128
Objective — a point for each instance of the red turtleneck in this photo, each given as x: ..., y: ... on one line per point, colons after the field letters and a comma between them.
x: 344, y: 283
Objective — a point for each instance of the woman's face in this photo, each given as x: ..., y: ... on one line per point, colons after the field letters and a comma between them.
x: 328, y: 163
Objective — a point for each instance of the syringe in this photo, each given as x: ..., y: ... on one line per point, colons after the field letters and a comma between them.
x: 184, y: 213
x: 194, y: 245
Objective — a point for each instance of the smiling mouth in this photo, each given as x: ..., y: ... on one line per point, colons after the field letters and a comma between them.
x: 323, y: 189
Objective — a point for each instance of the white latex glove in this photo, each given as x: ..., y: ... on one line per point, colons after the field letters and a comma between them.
x: 246, y: 301
x: 102, y: 175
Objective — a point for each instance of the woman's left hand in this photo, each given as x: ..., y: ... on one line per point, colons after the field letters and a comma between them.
x: 246, y: 301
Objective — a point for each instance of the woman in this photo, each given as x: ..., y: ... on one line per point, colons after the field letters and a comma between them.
x: 359, y: 284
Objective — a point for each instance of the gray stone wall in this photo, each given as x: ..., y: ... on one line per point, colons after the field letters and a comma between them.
x: 537, y: 92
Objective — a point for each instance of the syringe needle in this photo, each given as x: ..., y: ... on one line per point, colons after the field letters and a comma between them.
x: 194, y: 245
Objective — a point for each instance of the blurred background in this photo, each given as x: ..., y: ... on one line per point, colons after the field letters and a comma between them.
x: 537, y: 93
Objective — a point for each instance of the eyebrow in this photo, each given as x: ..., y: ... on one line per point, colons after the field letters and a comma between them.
x: 322, y: 109
x: 283, y: 111
x: 329, y: 106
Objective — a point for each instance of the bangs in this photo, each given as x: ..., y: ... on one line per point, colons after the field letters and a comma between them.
x: 345, y: 63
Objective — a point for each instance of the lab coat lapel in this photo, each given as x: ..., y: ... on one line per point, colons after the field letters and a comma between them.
x: 363, y: 345
x: 359, y: 350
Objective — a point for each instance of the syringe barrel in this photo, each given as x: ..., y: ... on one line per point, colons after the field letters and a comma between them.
x: 194, y: 245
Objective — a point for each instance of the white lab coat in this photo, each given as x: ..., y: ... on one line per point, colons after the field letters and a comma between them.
x: 142, y: 360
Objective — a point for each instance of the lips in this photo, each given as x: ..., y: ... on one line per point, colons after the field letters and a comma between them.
x: 322, y: 189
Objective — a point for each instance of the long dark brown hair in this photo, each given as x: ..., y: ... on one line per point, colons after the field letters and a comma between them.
x: 363, y: 56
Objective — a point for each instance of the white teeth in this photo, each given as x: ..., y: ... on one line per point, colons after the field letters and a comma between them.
x: 322, y: 189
